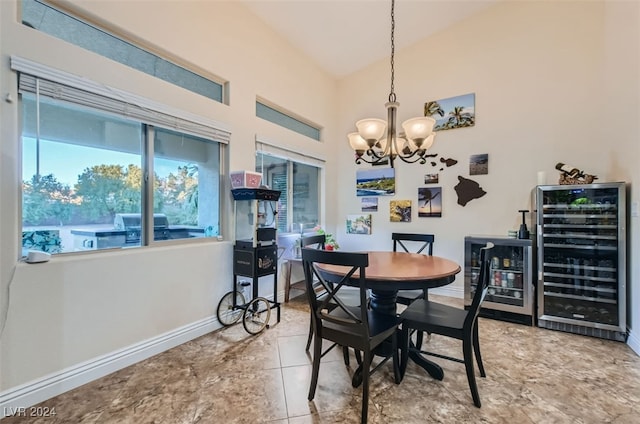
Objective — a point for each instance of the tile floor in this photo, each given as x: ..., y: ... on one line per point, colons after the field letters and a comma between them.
x: 533, y: 376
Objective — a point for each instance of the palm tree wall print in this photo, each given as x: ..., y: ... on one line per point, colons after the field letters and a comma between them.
x: 430, y: 202
x: 453, y: 112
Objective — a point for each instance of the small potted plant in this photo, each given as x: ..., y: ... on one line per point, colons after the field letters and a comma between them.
x: 330, y: 242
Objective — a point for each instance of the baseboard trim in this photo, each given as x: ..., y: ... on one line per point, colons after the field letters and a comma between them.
x: 456, y: 292
x: 39, y: 390
x: 633, y: 341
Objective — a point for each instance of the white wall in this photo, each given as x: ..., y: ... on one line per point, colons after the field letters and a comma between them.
x: 77, y: 308
x: 554, y: 82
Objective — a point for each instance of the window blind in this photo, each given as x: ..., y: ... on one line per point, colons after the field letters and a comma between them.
x: 287, y: 121
x: 269, y: 148
x: 68, y: 87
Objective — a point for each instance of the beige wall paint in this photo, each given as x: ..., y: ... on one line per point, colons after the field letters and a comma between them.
x: 548, y: 77
x: 622, y: 118
x: 78, y: 308
x: 554, y: 82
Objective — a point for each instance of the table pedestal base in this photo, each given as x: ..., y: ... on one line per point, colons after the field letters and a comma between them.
x: 432, y: 368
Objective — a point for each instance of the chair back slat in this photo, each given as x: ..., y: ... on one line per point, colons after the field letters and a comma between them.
x: 426, y: 239
x: 483, y: 285
x: 324, y: 305
x: 316, y: 241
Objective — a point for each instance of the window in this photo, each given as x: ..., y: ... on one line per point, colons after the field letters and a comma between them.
x: 187, y: 183
x: 286, y: 120
x: 299, y: 183
x: 45, y: 18
x: 85, y: 157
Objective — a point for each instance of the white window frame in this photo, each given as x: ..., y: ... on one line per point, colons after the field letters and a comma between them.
x: 37, y: 78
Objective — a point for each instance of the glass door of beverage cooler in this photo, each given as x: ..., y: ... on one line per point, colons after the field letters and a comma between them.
x: 510, y: 286
x: 581, y: 241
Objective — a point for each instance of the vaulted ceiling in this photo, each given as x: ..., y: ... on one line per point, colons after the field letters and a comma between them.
x: 345, y: 36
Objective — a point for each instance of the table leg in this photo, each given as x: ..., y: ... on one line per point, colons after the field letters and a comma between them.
x: 385, y: 302
x: 431, y: 367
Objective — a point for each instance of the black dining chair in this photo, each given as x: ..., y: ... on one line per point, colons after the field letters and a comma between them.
x: 351, y: 295
x: 336, y: 321
x: 460, y: 324
x: 315, y: 242
x: 419, y: 243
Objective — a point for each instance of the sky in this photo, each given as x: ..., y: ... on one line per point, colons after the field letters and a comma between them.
x: 67, y: 161
x: 372, y: 173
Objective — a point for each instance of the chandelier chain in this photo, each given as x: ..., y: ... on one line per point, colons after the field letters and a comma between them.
x: 392, y: 94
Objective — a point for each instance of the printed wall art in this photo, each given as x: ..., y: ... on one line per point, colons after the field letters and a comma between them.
x: 359, y: 224
x: 375, y: 182
x: 400, y: 211
x: 431, y: 179
x: 453, y: 112
x: 430, y: 202
x: 479, y: 164
x: 369, y: 204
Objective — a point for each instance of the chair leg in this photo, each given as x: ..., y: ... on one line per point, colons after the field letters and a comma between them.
x: 396, y: 359
x: 310, y: 333
x: 404, y: 349
x: 476, y: 350
x: 366, y: 366
x: 287, y: 282
x: 467, y: 349
x: 317, y: 353
x: 419, y: 338
x: 358, y: 356
x: 345, y: 355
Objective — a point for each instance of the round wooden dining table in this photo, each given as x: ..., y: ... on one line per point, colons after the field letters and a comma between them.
x: 389, y: 272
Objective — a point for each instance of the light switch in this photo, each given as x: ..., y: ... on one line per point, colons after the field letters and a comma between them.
x: 635, y: 209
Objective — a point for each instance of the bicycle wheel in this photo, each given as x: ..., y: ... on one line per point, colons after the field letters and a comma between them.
x: 227, y: 314
x: 256, y: 316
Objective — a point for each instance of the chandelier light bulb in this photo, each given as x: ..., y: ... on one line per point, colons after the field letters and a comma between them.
x: 371, y: 130
x: 357, y: 143
x: 428, y: 142
x: 418, y: 129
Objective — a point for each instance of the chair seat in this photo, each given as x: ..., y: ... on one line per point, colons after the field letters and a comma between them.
x: 380, y: 327
x: 434, y: 317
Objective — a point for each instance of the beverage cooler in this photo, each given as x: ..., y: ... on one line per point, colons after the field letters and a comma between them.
x: 582, y: 259
x: 511, y: 290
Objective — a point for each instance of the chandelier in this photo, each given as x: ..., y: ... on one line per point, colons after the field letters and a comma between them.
x: 377, y: 140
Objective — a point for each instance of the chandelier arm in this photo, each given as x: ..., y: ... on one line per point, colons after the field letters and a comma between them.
x: 410, y: 159
x: 378, y: 156
x: 360, y: 159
